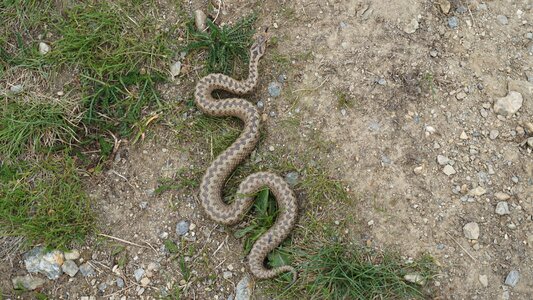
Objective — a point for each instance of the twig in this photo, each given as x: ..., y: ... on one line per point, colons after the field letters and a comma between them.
x: 311, y: 89
x: 461, y: 247
x: 150, y: 246
x: 121, y: 240
x: 119, y: 291
x: 218, y: 12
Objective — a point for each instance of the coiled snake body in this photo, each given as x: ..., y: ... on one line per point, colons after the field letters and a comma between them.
x: 221, y: 168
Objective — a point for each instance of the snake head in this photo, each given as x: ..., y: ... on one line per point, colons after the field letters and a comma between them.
x: 259, y: 47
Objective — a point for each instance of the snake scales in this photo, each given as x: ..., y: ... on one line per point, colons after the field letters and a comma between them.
x: 221, y: 168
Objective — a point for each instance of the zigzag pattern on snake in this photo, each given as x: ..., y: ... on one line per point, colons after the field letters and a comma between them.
x: 216, y: 175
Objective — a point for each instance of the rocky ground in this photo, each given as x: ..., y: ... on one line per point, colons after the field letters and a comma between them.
x: 424, y: 110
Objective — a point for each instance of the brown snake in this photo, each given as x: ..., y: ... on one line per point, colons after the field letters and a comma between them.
x: 216, y: 175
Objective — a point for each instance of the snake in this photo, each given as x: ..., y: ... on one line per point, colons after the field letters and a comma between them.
x: 213, y: 181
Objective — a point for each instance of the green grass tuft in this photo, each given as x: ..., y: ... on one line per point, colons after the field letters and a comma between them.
x: 45, y: 203
x: 225, y: 45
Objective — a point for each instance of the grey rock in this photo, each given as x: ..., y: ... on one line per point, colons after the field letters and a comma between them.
x: 102, y: 286
x: 449, y: 170
x: 72, y: 254
x: 16, y: 89
x: 87, y: 270
x: 292, y: 178
x: 530, y: 142
x: 502, y: 19
x: 27, y: 282
x: 260, y: 104
x: 70, y: 268
x: 200, y: 19
x: 243, y: 291
x: 494, y: 134
x: 483, y: 113
x: 227, y: 275
x: 138, y: 274
x: 502, y: 208
x: 482, y: 6
x: 529, y: 76
x: 175, y: 69
x: 381, y: 81
x: 272, y: 114
x: 182, y: 227
x: 509, y: 104
x: 484, y: 280
x: 412, y: 26
x: 282, y: 78
x: 274, y: 89
x: 512, y: 278
x: 385, y: 160
x: 515, y: 179
x: 453, y: 22
x: 471, y: 231
x: 38, y: 260
x: 433, y: 53
x: 120, y: 282
x: 442, y: 160
x: 529, y: 35
x: 461, y: 9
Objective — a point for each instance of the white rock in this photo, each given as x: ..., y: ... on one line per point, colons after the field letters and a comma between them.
x: 175, y: 69
x: 418, y: 170
x: 17, y: 89
x: 463, y: 136
x: 477, y: 191
x: 145, y: 281
x: 72, y: 255
x: 494, y: 134
x: 502, y: 208
x: 502, y: 196
x: 412, y: 26
x: 199, y: 20
x: 415, y: 278
x: 448, y: 170
x: 509, y: 104
x: 442, y: 160
x: 530, y: 142
x: 484, y: 280
x: 471, y: 231
x: 44, y: 48
x: 227, y: 275
x: 69, y: 267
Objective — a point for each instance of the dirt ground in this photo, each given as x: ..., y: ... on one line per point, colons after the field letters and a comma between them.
x: 411, y: 88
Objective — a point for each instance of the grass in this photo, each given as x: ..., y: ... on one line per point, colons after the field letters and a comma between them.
x: 45, y: 203
x: 226, y: 46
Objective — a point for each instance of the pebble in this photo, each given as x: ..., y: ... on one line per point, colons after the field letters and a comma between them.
x: 463, y: 136
x: 87, y: 270
x: 243, y: 291
x: 38, y: 260
x: 44, y: 48
x: 502, y: 19
x: 381, y: 81
x: 512, y: 278
x: 445, y: 6
x: 530, y: 142
x: 200, y: 19
x: 418, y: 170
x: 433, y: 53
x: 494, y: 134
x: 260, y: 104
x: 175, y: 69
x: 460, y: 96
x: 509, y: 104
x: 145, y: 281
x: 415, y: 278
x: 453, y: 22
x: 412, y: 26
x: 70, y: 268
x: 442, y: 160
x: 477, y: 191
x: 449, y: 170
x: 120, y: 282
x: 471, y: 231
x: 102, y: 286
x: 72, y: 254
x: 227, y: 275
x: 182, y: 227
x: 502, y: 196
x: 16, y: 89
x: 292, y: 178
x: 502, y: 208
x: 138, y: 274
x: 484, y: 113
x: 271, y: 148
x: 484, y: 280
x: 27, y: 282
x: 274, y: 89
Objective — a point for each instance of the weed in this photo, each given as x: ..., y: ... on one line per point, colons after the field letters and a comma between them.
x: 225, y: 45
x: 45, y: 202
x: 344, y: 100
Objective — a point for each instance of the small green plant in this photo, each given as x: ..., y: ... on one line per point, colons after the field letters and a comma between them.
x: 44, y: 202
x: 225, y: 45
x: 344, y: 100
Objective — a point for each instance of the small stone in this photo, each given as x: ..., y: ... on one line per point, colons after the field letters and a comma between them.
x: 72, y: 254
x: 182, y: 227
x: 483, y: 113
x: 460, y: 96
x: 512, y: 278
x: 484, y: 280
x: 145, y: 281
x: 292, y: 178
x: 502, y: 196
x: 433, y: 53
x: 70, y: 267
x: 175, y: 69
x: 530, y: 142
x: 463, y: 136
x: 502, y: 208
x: 227, y: 275
x: 514, y: 179
x: 502, y: 19
x: 102, y: 286
x: 381, y: 81
x: 87, y: 270
x: 138, y: 274
x: 412, y: 26
x: 16, y: 89
x: 200, y: 19
x: 274, y: 89
x: 260, y: 104
x: 27, y: 282
x: 192, y: 226
x: 243, y: 291
x: 471, y: 231
x: 38, y: 260
x: 509, y: 104
x: 44, y: 48
x: 444, y: 6
x: 430, y: 129
x: 494, y: 134
x: 477, y: 191
x: 442, y: 160
x: 453, y: 22
x: 120, y: 282
x: 418, y: 170
x: 449, y: 170
x: 415, y: 278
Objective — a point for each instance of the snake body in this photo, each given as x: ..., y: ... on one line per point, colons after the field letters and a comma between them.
x: 221, y: 168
